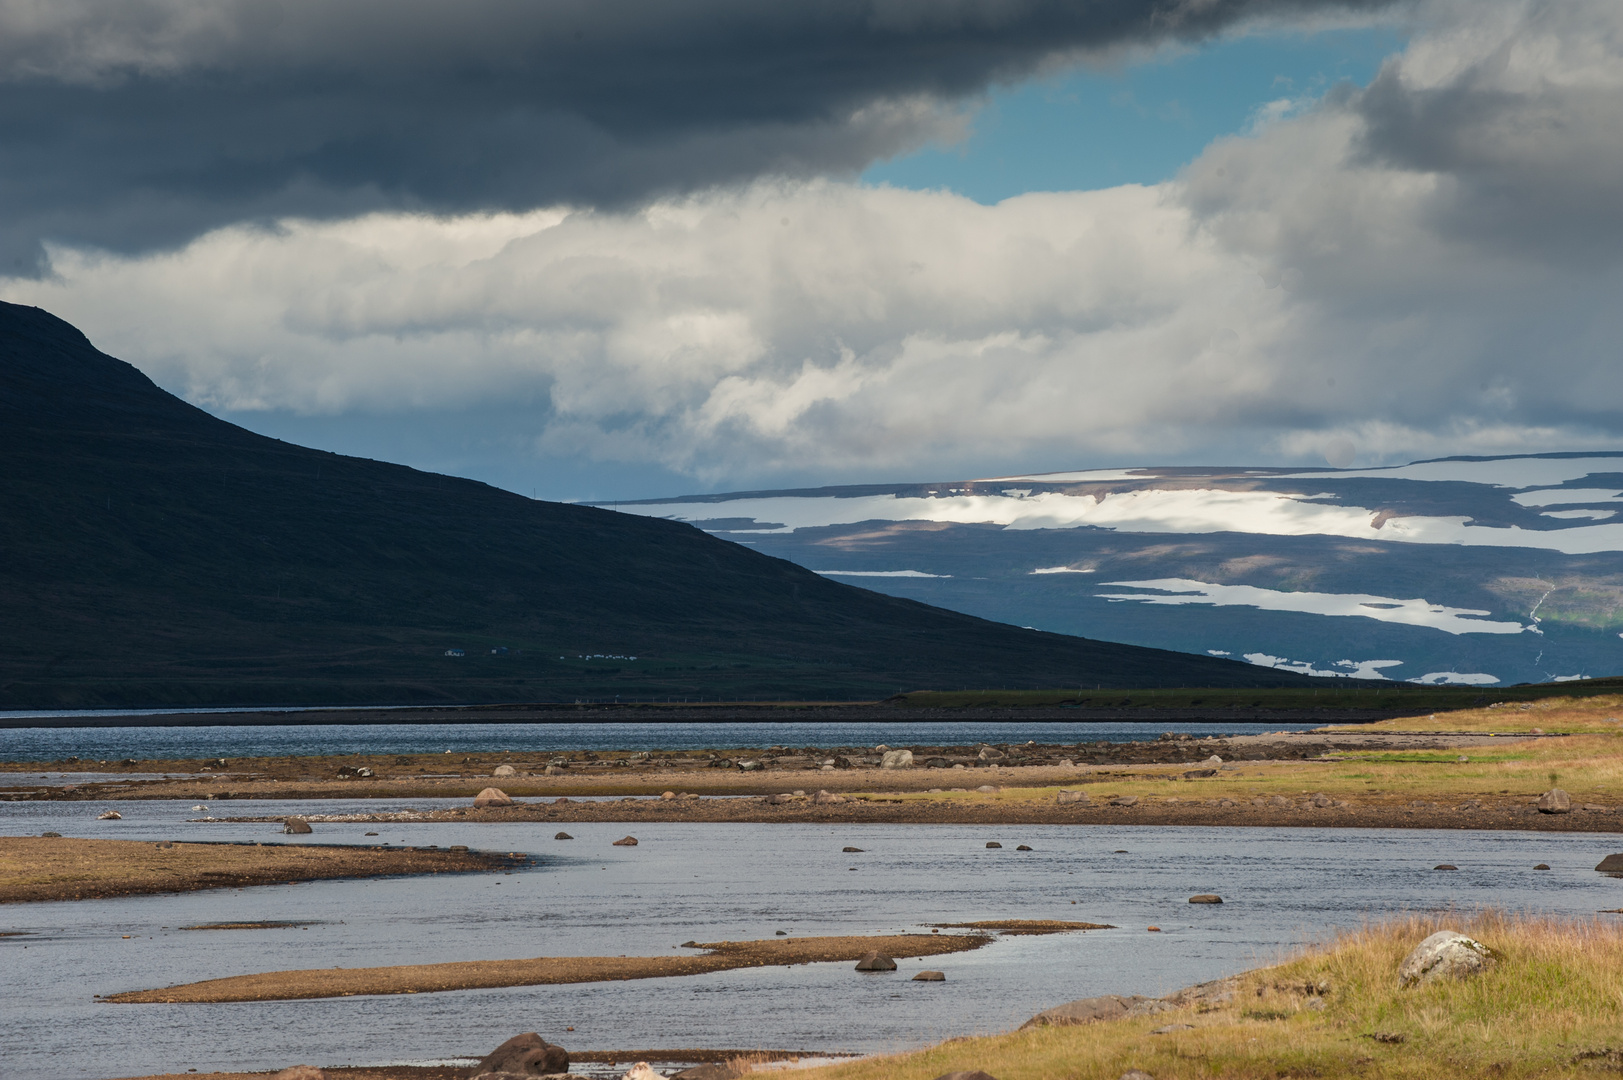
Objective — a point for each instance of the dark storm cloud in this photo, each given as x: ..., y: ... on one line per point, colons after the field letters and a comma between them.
x: 138, y: 123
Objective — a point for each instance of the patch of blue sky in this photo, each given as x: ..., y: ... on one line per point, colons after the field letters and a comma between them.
x: 1095, y: 128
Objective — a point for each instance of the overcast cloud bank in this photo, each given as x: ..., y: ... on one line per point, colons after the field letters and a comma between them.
x: 1428, y: 265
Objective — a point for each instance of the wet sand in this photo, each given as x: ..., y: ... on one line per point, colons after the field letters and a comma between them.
x: 54, y: 868
x: 549, y: 970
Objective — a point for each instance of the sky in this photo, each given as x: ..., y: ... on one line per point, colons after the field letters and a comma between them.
x: 589, y: 250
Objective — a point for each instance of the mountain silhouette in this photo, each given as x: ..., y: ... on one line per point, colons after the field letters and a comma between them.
x: 154, y: 555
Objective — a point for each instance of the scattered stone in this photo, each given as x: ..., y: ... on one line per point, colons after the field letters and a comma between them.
x: 876, y: 961
x: 783, y: 933
x: 779, y: 799
x: 1279, y: 800
x: 350, y: 772
x: 1554, y: 801
x: 930, y: 976
x: 642, y: 1071
x: 851, y: 850
x: 1320, y: 800
x: 1136, y: 1074
x: 1211, y: 762
x: 749, y: 766
x: 897, y: 759
x: 689, y: 945
x: 1124, y: 800
x: 1170, y: 1028
x: 527, y: 1055
x: 295, y: 826
x: 551, y: 770
x: 626, y: 841
x: 1592, y: 808
x: 1080, y: 797
x: 299, y: 1072
x: 491, y: 797
x: 714, y: 1070
x: 1023, y: 847
x: 1083, y: 1011
x: 972, y: 1074
x: 1462, y: 759
x: 667, y: 795
x: 823, y: 798
x: 988, y: 789
x: 993, y: 844
x: 1152, y: 929
x: 109, y: 815
x: 50, y: 836
x: 1206, y: 898
x: 1445, y: 866
x: 1445, y: 954
x: 1542, y: 866
x: 504, y: 770
x: 1612, y: 864
x: 1196, y: 774
x: 562, y: 836
x: 1395, y: 1038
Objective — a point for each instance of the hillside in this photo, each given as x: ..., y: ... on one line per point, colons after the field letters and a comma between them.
x: 155, y: 555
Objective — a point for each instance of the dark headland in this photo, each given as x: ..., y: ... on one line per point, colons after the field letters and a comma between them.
x: 154, y: 555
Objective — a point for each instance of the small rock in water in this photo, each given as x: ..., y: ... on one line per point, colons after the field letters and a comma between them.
x: 1445, y: 954
x: 294, y: 826
x: 993, y: 844
x: 1445, y: 866
x: 626, y: 841
x: 1542, y: 866
x: 1153, y: 929
x: 563, y: 836
x: 783, y: 933
x: 876, y: 961
x: 109, y: 815
x: 851, y: 849
x: 930, y: 976
x: 1206, y: 898
x: 1612, y: 864
x: 1023, y: 847
x: 491, y: 797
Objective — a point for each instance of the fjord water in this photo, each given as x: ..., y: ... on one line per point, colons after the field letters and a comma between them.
x: 709, y: 882
x: 276, y: 740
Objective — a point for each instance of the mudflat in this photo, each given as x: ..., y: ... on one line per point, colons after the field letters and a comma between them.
x: 64, y: 868
x: 549, y: 970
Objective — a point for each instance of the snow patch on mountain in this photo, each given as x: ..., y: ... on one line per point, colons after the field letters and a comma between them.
x: 1416, y: 612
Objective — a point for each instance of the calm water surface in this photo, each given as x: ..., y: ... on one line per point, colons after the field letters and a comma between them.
x: 709, y: 882
x: 274, y: 740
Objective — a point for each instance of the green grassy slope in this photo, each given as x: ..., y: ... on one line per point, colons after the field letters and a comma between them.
x: 151, y: 554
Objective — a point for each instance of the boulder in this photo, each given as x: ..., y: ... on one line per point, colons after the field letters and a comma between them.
x: 491, y: 797
x: 1542, y: 866
x: 504, y: 770
x: 823, y: 798
x: 1206, y: 898
x: 1124, y: 800
x: 1554, y: 801
x: 1445, y: 866
x: 851, y: 850
x: 993, y: 844
x: 988, y: 789
x: 299, y: 1072
x: 642, y: 1071
x: 562, y: 836
x: 1196, y: 774
x: 1212, y: 762
x: 296, y: 826
x: 1078, y: 797
x: 527, y: 1055
x: 1445, y: 954
x: 1320, y: 800
x: 1612, y: 864
x: 109, y: 815
x: 626, y: 841
x: 930, y: 976
x: 1083, y: 1011
x: 1023, y: 847
x: 667, y: 795
x: 779, y: 799
x: 897, y: 759
x: 876, y: 961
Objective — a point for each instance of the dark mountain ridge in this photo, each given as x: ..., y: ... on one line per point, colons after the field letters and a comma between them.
x: 154, y: 555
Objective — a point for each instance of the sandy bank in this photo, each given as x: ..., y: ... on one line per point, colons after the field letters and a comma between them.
x: 548, y: 970
x: 57, y: 868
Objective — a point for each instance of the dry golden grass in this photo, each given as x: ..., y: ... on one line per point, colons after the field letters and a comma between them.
x: 1600, y: 714
x: 1556, y: 996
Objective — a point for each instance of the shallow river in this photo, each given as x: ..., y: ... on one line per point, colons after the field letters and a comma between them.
x: 1282, y: 887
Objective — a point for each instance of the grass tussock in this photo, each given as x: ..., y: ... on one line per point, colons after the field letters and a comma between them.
x: 1553, y: 1006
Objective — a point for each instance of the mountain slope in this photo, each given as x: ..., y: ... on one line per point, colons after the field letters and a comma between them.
x: 1476, y: 571
x: 151, y: 554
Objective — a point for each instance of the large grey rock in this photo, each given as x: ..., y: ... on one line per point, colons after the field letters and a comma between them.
x: 897, y: 759
x: 504, y: 770
x: 296, y: 826
x: 1554, y: 801
x: 930, y: 976
x: 625, y: 841
x: 492, y: 797
x: 1612, y: 864
x: 526, y: 1055
x: 1446, y: 954
x: 1084, y: 1011
x: 876, y: 961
